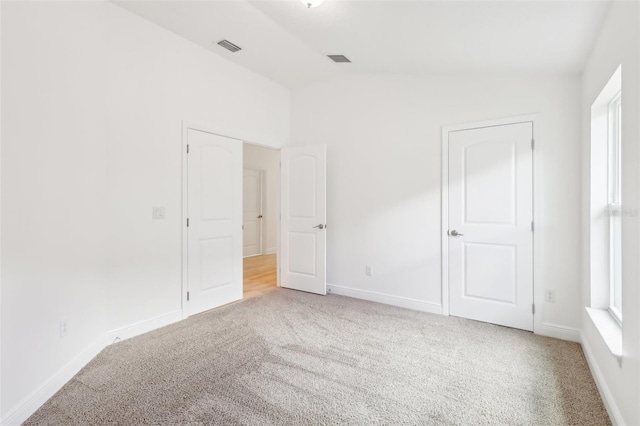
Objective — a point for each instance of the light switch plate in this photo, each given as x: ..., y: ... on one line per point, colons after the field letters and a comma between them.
x: 158, y: 213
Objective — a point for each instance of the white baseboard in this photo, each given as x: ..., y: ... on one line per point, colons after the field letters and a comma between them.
x: 387, y: 299
x: 271, y: 250
x: 30, y: 404
x: 142, y: 327
x: 605, y: 393
x: 559, y: 332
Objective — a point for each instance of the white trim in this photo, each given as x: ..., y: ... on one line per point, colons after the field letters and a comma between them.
x: 605, y: 393
x: 142, y: 327
x: 444, y: 221
x: 387, y: 299
x: 559, y: 332
x: 538, y: 295
x: 271, y: 250
x: 36, y: 399
x: 609, y: 330
x: 183, y: 219
x: 0, y: 203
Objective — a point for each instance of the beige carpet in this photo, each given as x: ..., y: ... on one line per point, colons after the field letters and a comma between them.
x: 299, y: 359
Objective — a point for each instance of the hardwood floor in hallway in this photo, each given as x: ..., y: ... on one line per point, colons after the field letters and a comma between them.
x: 260, y: 275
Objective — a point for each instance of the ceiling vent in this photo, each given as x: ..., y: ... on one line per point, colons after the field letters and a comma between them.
x: 229, y: 46
x: 339, y: 58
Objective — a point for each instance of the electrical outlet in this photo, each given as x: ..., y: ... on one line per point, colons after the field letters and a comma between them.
x: 550, y: 296
x: 368, y: 271
x: 63, y: 328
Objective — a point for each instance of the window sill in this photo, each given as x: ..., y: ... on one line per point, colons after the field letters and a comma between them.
x: 609, y: 329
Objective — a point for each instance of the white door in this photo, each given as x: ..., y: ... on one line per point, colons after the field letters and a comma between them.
x: 252, y: 212
x: 303, y: 218
x: 214, y: 211
x: 490, y: 225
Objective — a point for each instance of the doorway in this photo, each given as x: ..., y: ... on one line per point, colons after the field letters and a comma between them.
x: 213, y: 265
x: 261, y: 214
x: 488, y: 223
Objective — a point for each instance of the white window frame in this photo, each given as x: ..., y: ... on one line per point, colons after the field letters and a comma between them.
x: 614, y: 199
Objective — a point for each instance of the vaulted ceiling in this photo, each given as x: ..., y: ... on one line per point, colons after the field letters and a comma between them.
x: 288, y: 43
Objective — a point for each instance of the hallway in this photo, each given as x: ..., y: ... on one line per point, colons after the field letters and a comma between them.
x: 260, y: 275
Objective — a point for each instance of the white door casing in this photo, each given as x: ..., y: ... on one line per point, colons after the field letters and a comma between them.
x: 214, y: 215
x: 303, y: 218
x: 490, y: 196
x: 252, y: 212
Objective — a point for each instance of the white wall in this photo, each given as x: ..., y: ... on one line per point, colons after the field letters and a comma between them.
x: 618, y: 43
x: 92, y: 103
x: 157, y: 79
x: 0, y: 212
x: 54, y: 189
x: 384, y: 166
x: 267, y: 160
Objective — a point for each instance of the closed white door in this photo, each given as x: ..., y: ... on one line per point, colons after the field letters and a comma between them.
x: 303, y: 218
x: 214, y: 211
x: 252, y: 206
x: 490, y: 225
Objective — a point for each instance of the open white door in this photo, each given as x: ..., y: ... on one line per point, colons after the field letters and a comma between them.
x: 303, y: 218
x: 214, y: 212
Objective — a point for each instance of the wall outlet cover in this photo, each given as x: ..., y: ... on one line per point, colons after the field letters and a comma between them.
x: 550, y: 296
x: 158, y: 213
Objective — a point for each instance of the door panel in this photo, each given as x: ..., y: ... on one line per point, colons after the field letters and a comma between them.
x: 215, y: 167
x: 217, y: 266
x: 490, y: 190
x: 214, y: 209
x: 480, y: 281
x: 303, y: 220
x: 490, y: 206
x: 252, y: 206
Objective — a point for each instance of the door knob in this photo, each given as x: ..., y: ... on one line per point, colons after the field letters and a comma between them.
x: 455, y: 233
x: 260, y: 217
x: 321, y: 226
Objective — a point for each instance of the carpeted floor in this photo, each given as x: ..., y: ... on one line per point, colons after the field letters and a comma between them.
x: 294, y: 358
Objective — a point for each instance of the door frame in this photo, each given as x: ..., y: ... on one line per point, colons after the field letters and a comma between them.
x: 186, y: 125
x: 262, y: 173
x: 538, y: 294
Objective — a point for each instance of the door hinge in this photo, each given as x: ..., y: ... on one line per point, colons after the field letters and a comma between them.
x: 533, y: 308
x: 531, y: 226
x: 187, y: 222
x: 532, y: 143
x: 187, y: 148
x: 187, y: 296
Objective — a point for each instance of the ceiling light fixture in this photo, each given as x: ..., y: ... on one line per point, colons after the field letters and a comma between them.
x: 312, y: 3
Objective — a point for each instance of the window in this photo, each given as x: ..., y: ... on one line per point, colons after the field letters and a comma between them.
x: 615, y: 206
x: 606, y: 215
